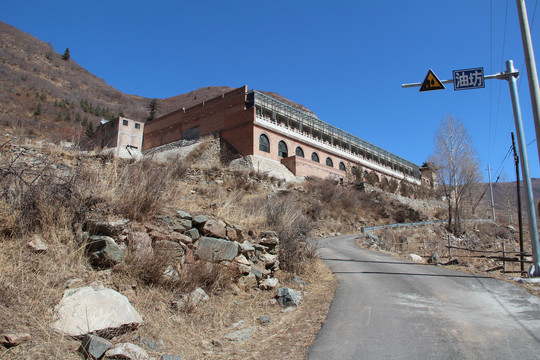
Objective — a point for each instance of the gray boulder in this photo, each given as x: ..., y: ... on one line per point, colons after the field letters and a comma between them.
x: 212, y: 249
x: 434, y: 258
x: 192, y: 299
x: 193, y: 233
x: 184, y: 215
x: 103, y: 251
x: 288, y: 297
x: 169, y: 247
x: 102, y: 311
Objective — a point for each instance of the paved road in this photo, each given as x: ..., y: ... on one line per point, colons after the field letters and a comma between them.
x: 388, y: 308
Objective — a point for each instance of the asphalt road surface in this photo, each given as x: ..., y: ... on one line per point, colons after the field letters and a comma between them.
x: 388, y: 308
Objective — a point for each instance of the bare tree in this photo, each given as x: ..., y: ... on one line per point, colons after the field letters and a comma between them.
x: 456, y: 165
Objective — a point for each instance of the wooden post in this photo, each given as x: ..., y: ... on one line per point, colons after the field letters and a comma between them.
x: 504, y: 256
x: 449, y: 249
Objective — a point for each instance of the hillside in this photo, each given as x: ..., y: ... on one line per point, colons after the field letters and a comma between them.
x: 41, y: 93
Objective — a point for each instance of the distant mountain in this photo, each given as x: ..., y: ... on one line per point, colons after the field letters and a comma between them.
x: 44, y: 95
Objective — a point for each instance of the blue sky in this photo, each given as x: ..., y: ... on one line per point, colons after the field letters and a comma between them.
x: 345, y: 60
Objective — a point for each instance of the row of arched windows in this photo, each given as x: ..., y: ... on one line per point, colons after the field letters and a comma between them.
x: 264, y: 145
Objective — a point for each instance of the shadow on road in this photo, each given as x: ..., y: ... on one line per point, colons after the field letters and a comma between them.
x: 412, y: 274
x: 376, y: 262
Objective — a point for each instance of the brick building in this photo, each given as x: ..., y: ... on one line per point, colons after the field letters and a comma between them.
x: 254, y: 123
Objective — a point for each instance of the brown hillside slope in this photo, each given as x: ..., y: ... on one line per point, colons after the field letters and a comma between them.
x: 42, y: 94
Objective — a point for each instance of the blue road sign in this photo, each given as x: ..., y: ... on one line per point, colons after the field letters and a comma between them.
x: 468, y: 79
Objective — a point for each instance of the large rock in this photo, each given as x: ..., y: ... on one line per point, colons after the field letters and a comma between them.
x: 288, y: 297
x: 215, y: 228
x: 127, y: 351
x: 269, y: 284
x: 141, y: 243
x: 199, y: 219
x: 212, y: 249
x: 9, y: 340
x: 102, y: 311
x: 103, y: 251
x: 415, y: 258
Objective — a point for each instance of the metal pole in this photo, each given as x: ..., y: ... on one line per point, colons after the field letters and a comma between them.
x: 534, y: 271
x: 518, y: 187
x: 530, y: 62
x: 491, y: 192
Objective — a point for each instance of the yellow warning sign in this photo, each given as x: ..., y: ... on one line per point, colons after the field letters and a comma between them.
x: 431, y: 82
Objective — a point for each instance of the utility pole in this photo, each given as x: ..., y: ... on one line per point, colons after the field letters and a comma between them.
x: 530, y: 63
x: 534, y: 271
x: 518, y: 187
x: 491, y: 192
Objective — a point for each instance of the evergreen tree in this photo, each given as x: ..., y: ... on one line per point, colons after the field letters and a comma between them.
x: 66, y: 55
x: 89, y: 129
x: 153, y: 107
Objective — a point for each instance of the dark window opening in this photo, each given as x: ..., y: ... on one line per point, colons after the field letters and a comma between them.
x: 137, y: 126
x: 264, y: 143
x: 299, y: 152
x: 125, y: 122
x: 329, y: 162
x: 315, y: 157
x: 282, y: 149
x: 342, y: 166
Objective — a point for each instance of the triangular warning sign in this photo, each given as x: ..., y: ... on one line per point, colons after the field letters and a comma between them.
x: 431, y: 82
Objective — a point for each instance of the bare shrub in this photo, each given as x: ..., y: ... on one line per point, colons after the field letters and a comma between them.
x: 140, y: 189
x: 293, y: 227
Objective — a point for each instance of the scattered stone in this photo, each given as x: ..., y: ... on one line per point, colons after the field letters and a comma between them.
x: 240, y: 335
x: 264, y: 320
x: 416, y: 258
x: 193, y: 233
x: 288, y: 297
x: 212, y: 249
x: 141, y: 243
x: 157, y: 345
x: 372, y: 238
x: 182, y: 225
x: 247, y: 282
x: 192, y: 299
x: 241, y: 259
x: 231, y: 233
x: 183, y: 215
x: 181, y: 238
x: 216, y: 342
x: 103, y: 311
x: 246, y: 247
x: 298, y: 280
x: 72, y: 282
x: 171, y: 274
x: 15, y: 339
x: 268, y: 259
x: 199, y: 219
x: 269, y: 284
x: 93, y: 347
x: 37, y: 245
x: 127, y: 351
x: 215, y: 228
x: 103, y: 251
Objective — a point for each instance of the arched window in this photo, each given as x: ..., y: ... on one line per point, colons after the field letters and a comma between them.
x: 299, y: 152
x: 315, y: 157
x: 264, y: 143
x: 282, y: 149
x: 354, y: 170
x: 342, y: 166
x: 329, y: 162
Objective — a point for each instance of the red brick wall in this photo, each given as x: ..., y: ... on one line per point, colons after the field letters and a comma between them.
x: 212, y: 116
